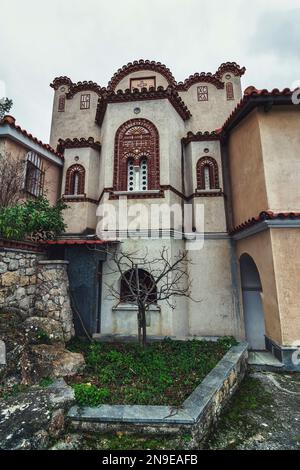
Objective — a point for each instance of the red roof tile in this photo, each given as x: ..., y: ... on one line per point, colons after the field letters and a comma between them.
x: 10, y: 121
x: 265, y: 215
x: 252, y: 94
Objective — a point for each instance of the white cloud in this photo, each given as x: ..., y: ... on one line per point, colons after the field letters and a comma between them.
x: 90, y: 40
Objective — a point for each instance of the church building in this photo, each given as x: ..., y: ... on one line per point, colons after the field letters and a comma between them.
x: 230, y: 160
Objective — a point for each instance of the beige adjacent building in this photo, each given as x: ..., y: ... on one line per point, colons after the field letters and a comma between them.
x: 229, y: 160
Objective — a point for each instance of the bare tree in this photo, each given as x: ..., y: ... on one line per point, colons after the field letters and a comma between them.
x: 145, y: 281
x: 11, y: 179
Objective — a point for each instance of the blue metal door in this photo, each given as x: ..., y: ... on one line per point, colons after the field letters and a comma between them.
x: 85, y: 267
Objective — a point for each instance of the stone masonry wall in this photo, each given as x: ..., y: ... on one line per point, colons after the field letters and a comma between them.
x: 52, y: 296
x: 39, y: 290
x: 18, y: 279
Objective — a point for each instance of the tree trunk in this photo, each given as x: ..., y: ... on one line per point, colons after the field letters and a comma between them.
x: 142, y: 313
x: 139, y: 328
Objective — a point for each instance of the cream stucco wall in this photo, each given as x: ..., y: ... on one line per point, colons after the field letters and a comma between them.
x: 280, y: 139
x: 73, y: 122
x: 216, y: 311
x: 286, y: 255
x: 210, y: 115
x: 248, y: 186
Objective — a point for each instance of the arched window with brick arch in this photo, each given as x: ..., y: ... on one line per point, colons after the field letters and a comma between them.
x: 75, y: 180
x: 136, y: 160
x: 207, y: 174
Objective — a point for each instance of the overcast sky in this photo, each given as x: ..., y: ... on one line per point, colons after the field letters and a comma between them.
x: 91, y: 39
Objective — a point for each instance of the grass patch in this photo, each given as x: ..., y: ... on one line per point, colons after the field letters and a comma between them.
x: 164, y: 373
x: 238, y: 421
x: 121, y: 441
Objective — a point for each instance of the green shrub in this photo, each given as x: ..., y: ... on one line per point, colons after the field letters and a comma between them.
x: 31, y: 216
x: 90, y: 395
x: 45, y: 382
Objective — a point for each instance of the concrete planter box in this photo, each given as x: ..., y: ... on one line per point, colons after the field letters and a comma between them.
x: 196, y: 416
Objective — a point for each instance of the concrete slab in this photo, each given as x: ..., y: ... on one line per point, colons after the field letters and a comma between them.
x: 263, y: 359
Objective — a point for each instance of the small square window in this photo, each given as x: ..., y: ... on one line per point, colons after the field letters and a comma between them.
x: 85, y: 101
x: 202, y: 92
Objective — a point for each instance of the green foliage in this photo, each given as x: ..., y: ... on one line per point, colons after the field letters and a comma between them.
x: 45, y: 382
x: 34, y: 215
x: 5, y: 106
x: 89, y: 395
x: 42, y: 337
x: 13, y: 391
x: 165, y: 372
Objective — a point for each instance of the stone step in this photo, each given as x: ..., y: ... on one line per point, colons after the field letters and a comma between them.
x: 264, y: 360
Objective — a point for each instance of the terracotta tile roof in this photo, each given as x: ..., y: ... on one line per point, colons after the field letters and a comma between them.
x: 254, y: 97
x: 20, y: 245
x: 11, y: 122
x: 266, y: 215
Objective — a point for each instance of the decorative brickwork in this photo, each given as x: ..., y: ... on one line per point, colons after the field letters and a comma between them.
x: 75, y: 179
x: 61, y: 103
x: 211, y: 164
x: 229, y: 91
x: 77, y: 143
x: 136, y: 139
x: 139, y: 65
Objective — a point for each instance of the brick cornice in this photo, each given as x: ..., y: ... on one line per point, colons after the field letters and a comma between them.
x: 138, y: 65
x: 199, y: 78
x: 74, y: 88
x: 230, y: 67
x: 84, y: 86
x: 201, y: 136
x: 144, y: 95
x: 77, y: 143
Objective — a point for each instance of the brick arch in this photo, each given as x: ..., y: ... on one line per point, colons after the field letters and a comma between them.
x: 213, y: 173
x: 70, y: 176
x: 135, y: 139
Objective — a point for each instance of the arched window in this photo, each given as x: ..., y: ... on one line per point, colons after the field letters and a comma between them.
x: 75, y: 180
x: 34, y: 178
x: 229, y: 91
x: 136, y: 162
x: 134, y: 282
x: 207, y: 174
x: 137, y: 179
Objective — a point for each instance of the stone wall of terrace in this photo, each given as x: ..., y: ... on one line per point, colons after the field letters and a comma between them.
x: 38, y: 289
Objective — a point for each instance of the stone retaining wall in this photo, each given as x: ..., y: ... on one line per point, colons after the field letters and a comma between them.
x: 196, y: 416
x: 38, y: 289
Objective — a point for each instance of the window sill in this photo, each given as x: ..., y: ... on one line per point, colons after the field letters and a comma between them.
x: 128, y: 193
x: 134, y: 308
x: 208, y: 191
x: 73, y: 196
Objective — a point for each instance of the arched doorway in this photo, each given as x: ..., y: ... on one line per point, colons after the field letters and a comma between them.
x: 252, y: 303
